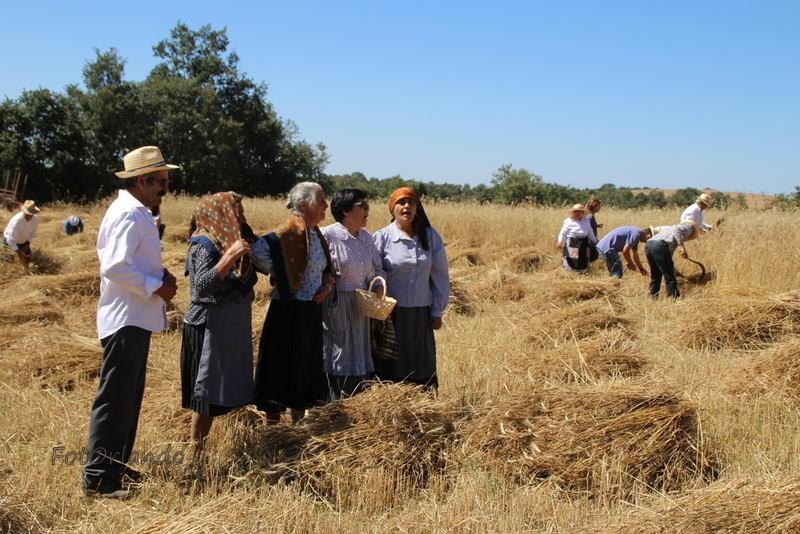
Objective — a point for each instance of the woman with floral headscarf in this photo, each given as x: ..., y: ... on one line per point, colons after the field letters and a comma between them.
x: 417, y: 276
x: 216, y: 350
x: 289, y: 373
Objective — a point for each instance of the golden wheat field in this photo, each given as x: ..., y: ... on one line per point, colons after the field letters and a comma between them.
x: 567, y: 403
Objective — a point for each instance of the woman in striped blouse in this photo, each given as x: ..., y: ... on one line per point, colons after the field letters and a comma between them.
x: 347, y: 357
x: 659, y: 250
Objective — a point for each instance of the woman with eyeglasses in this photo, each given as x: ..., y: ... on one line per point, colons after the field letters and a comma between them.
x: 347, y: 354
x: 415, y: 262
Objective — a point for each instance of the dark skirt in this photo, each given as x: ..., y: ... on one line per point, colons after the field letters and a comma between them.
x: 289, y: 372
x: 581, y: 262
x: 191, y: 351
x: 415, y: 360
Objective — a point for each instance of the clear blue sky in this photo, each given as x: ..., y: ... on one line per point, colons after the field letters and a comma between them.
x: 638, y: 93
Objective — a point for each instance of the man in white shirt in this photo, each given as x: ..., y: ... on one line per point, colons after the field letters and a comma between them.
x: 134, y: 289
x: 21, y: 230
x: 695, y: 212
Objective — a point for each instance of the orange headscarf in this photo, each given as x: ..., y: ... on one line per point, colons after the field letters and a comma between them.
x: 402, y: 192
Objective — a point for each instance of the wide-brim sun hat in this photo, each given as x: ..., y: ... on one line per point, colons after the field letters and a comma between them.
x: 577, y: 207
x: 144, y: 160
x: 29, y: 207
x: 705, y: 198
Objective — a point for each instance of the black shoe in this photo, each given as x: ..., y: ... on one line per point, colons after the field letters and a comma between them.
x: 132, y: 475
x: 106, y: 490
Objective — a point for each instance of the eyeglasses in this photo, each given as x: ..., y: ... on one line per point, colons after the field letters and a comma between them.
x: 363, y: 204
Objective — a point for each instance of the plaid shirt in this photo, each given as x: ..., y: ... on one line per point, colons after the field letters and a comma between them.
x: 673, y: 235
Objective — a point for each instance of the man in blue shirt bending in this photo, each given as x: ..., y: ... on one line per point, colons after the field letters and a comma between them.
x: 624, y: 239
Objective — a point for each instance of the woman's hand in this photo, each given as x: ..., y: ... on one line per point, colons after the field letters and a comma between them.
x: 436, y: 323
x: 683, y: 253
x: 239, y: 248
x: 323, y: 293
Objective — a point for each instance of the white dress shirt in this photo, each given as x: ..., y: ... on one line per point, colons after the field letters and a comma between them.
x: 19, y: 230
x: 573, y: 228
x: 130, y: 269
x: 694, y: 213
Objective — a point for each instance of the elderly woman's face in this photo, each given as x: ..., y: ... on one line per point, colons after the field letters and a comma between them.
x: 405, y: 210
x: 314, y: 213
x: 577, y: 215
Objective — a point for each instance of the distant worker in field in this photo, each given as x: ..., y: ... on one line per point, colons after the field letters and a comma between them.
x: 21, y: 230
x: 574, y: 240
x: 695, y: 212
x: 134, y: 289
x: 624, y: 239
x: 72, y: 225
x: 592, y: 207
x: 659, y: 250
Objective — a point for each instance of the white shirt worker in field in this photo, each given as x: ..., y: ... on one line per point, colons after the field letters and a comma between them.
x: 695, y: 212
x: 21, y: 230
x: 134, y: 288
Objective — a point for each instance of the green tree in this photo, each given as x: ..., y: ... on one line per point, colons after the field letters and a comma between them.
x: 514, y: 186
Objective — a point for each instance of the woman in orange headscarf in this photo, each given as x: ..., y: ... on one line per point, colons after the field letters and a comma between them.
x: 417, y: 276
x: 216, y: 348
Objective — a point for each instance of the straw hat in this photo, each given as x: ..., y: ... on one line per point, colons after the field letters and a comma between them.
x: 29, y: 207
x: 705, y: 198
x: 578, y: 207
x: 142, y: 161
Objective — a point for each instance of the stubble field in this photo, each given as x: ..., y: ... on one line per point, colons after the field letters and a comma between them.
x: 567, y: 403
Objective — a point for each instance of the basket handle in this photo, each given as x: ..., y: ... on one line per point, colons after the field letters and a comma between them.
x: 383, y: 284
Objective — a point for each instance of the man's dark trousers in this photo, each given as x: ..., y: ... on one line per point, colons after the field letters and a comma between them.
x: 659, y: 256
x: 115, y: 412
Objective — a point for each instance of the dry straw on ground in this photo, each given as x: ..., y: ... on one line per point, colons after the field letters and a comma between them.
x: 774, y: 370
x: 740, y: 319
x: 606, y: 441
x: 555, y: 324
x: 393, y: 435
x: 575, y: 289
x: 608, y: 353
x: 737, y: 507
x: 525, y: 259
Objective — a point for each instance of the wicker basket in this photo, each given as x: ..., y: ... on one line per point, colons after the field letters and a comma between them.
x: 372, y: 305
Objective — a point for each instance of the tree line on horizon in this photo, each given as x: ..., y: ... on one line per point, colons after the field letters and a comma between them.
x: 205, y: 114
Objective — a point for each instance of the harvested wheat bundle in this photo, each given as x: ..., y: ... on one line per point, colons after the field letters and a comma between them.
x: 59, y: 358
x: 460, y: 299
x: 23, y: 306
x: 525, y: 259
x: 776, y: 369
x: 576, y: 321
x: 584, y: 288
x: 465, y: 257
x: 606, y: 441
x: 86, y: 284
x: 498, y: 285
x: 741, y: 320
x: 611, y: 352
x: 396, y: 433
x: 754, y: 507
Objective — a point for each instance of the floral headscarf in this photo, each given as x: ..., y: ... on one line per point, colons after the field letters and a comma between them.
x: 217, y: 218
